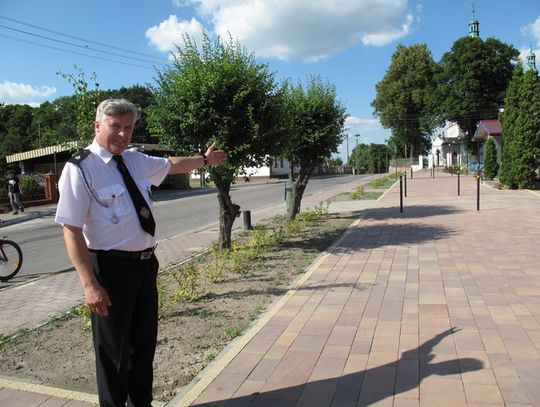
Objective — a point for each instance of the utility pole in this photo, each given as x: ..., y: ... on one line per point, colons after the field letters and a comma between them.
x: 356, y: 156
x: 348, y: 150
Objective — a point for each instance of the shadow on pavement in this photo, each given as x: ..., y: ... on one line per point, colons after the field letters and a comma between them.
x: 409, y: 212
x: 366, y: 387
x: 366, y: 237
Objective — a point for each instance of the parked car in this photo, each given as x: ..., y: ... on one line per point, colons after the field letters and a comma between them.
x: 476, y: 166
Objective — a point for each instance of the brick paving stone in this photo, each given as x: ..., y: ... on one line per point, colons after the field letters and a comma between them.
x: 293, y: 370
x: 483, y: 393
x: 318, y: 394
x: 432, y: 307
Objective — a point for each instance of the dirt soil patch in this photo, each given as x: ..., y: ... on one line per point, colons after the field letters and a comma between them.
x: 191, y: 334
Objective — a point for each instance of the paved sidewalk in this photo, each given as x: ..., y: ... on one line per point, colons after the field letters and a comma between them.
x: 435, y: 306
x: 29, y: 305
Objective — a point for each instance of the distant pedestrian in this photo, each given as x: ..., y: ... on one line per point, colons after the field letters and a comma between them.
x: 109, y: 231
x: 14, y: 192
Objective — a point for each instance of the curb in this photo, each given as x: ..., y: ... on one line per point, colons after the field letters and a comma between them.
x: 25, y: 218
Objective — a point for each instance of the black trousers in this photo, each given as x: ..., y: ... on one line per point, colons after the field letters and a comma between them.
x: 125, y: 340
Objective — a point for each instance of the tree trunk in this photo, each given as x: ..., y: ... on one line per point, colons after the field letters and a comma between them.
x: 298, y: 189
x: 228, y: 212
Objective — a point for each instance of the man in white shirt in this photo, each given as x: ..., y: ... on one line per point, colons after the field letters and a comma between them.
x: 113, y: 255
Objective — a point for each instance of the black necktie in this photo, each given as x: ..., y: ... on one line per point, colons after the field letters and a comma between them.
x: 141, y: 207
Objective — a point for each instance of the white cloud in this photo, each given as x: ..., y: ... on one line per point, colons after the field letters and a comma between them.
x: 13, y: 93
x: 170, y: 32
x: 305, y: 29
x: 533, y: 30
x: 361, y: 124
x: 370, y: 130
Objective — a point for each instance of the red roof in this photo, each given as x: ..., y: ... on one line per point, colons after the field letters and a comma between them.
x: 493, y: 127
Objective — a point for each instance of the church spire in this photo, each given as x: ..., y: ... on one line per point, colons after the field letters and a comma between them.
x: 531, y: 61
x: 474, y: 25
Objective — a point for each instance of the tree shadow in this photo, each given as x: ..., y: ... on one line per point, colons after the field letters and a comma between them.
x: 306, y: 287
x: 409, y: 212
x: 362, y: 388
x: 367, y: 237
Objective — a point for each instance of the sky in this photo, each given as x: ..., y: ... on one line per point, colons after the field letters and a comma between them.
x: 348, y: 43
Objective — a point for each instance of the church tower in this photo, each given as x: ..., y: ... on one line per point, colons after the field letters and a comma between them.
x: 474, y: 26
x: 531, y: 61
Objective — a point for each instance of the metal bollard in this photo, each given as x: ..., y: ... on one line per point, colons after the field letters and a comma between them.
x: 411, y: 173
x: 405, y: 178
x: 246, y: 217
x: 458, y: 190
x: 400, y: 194
x: 477, y: 192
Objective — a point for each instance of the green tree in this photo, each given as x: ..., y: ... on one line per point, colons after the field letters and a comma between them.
x: 521, y: 130
x: 370, y: 158
x: 46, y: 126
x: 472, y: 81
x: 86, y: 102
x: 219, y: 94
x: 403, y: 97
x: 360, y: 159
x: 336, y: 161
x: 15, y: 129
x: 491, y: 166
x: 314, y: 120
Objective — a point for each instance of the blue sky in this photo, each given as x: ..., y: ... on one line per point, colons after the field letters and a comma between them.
x: 347, y: 42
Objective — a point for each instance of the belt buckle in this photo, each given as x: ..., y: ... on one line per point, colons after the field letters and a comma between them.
x: 146, y: 255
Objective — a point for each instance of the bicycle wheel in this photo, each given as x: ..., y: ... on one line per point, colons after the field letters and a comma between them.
x: 10, y: 259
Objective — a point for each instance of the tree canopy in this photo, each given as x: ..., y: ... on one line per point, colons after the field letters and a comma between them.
x: 403, y: 97
x: 472, y: 81
x: 521, y: 130
x: 372, y: 158
x: 314, y: 120
x: 218, y: 94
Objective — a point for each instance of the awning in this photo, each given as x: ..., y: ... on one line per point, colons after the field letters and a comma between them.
x: 72, y: 146
x: 40, y: 152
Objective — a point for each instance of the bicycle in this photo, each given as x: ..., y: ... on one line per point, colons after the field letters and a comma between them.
x: 11, y: 259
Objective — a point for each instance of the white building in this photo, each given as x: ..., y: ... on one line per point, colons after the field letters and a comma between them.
x: 448, y: 147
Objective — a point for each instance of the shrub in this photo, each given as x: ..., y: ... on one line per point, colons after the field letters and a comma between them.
x: 188, y: 288
x: 491, y: 167
x: 357, y: 193
x: 32, y: 185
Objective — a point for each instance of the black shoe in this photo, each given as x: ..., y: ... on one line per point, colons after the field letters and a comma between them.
x: 15, y: 213
x: 22, y: 210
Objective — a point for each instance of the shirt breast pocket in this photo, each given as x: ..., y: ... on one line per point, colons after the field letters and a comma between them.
x: 114, y: 199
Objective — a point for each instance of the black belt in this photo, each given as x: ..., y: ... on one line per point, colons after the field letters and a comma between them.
x: 140, y: 255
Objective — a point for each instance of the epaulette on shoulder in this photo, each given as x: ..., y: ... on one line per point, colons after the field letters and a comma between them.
x: 79, y: 156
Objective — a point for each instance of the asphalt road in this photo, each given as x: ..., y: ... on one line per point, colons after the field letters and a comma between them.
x: 176, y: 213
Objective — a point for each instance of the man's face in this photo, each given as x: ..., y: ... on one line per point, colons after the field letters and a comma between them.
x: 114, y: 132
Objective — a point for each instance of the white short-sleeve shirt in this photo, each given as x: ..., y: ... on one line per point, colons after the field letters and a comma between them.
x: 103, y: 208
